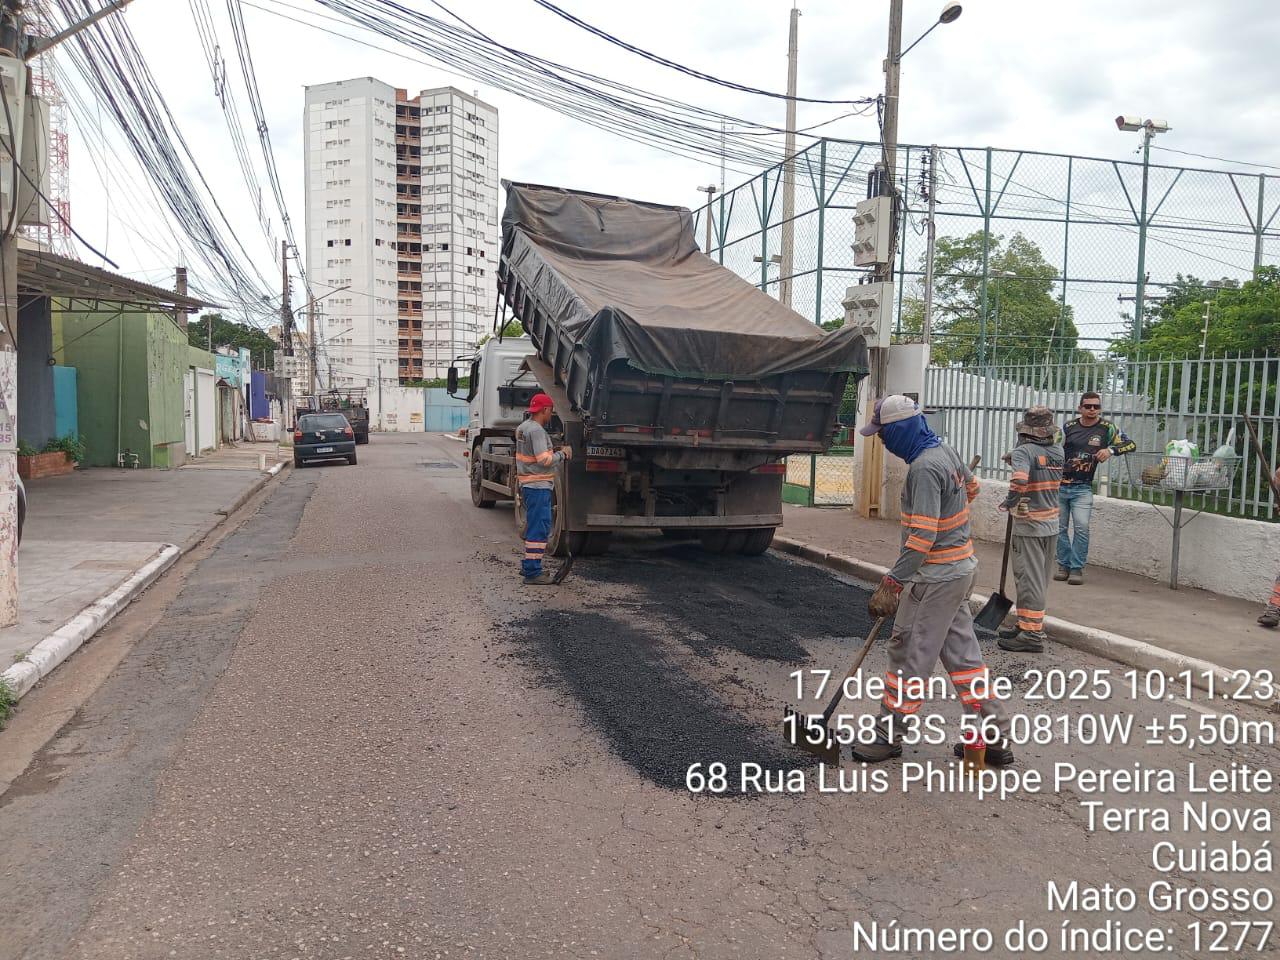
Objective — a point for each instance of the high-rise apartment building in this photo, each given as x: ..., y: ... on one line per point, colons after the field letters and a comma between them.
x: 402, y: 212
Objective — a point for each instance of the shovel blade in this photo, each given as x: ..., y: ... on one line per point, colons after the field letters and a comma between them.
x: 992, y: 615
x: 801, y: 732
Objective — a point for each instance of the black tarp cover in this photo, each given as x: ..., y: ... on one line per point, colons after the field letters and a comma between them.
x: 626, y: 279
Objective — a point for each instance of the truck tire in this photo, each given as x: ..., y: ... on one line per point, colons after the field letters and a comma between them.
x: 723, y: 541
x: 757, y: 541
x: 480, y: 497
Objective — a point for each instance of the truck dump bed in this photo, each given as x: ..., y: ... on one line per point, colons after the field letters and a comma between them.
x: 654, y: 341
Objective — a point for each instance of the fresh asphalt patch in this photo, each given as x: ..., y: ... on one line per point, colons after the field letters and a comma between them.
x: 634, y: 670
x: 761, y: 607
x: 650, y: 711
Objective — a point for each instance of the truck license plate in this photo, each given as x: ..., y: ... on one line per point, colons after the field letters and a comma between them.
x: 616, y: 452
x: 324, y: 449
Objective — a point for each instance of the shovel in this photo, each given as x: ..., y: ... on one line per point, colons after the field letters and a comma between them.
x: 803, y: 731
x: 998, y: 605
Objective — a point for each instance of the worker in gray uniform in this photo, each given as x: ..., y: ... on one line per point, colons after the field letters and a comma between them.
x: 928, y: 588
x: 1033, y: 499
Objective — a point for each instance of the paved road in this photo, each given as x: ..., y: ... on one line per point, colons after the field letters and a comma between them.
x: 355, y: 735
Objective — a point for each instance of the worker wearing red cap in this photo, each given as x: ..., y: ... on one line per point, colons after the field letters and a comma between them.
x: 536, y: 463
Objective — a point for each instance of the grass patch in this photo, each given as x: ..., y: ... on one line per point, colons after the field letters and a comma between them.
x: 8, y: 702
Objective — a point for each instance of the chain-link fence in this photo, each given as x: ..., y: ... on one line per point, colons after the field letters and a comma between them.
x: 820, y: 480
x: 1096, y: 229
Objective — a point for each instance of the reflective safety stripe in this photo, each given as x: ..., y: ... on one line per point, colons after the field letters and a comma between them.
x: 525, y: 458
x: 919, y: 544
x: 971, y: 488
x: 534, y: 477
x: 1042, y: 485
x: 951, y: 554
x: 546, y: 458
x: 968, y: 675
x: 1050, y: 513
x: 904, y: 707
x: 935, y: 524
x: 1030, y: 620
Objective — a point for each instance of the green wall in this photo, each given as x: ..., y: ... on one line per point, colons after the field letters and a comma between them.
x: 130, y: 383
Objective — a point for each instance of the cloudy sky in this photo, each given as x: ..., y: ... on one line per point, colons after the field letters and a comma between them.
x: 1039, y: 75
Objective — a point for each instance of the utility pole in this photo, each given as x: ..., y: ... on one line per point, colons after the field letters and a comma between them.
x: 789, y: 168
x: 873, y: 454
x: 12, y: 84
x: 710, y: 191
x: 180, y: 287
x: 312, y: 337
x: 926, y: 329
x: 286, y: 312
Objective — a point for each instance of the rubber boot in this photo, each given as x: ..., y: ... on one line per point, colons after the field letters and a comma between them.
x: 997, y: 755
x: 1023, y: 642
x: 1270, y: 618
x: 882, y: 748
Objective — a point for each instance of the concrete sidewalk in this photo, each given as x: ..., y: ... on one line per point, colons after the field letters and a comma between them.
x: 91, y: 533
x: 1194, y: 623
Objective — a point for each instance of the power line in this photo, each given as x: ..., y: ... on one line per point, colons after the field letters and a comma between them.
x: 681, y: 68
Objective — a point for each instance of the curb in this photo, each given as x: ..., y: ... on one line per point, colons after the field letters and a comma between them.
x: 1111, y: 646
x: 67, y: 639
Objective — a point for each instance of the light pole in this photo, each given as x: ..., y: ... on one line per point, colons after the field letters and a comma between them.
x: 1149, y: 129
x: 789, y: 167
x: 710, y: 190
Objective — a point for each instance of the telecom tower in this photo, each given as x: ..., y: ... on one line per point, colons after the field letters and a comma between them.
x: 55, y: 235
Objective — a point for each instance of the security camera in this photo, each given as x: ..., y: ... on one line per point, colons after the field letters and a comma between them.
x: 1128, y: 123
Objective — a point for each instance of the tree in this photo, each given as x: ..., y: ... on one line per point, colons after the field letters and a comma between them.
x: 1242, y: 319
x: 229, y: 333
x: 512, y: 329
x: 1024, y: 318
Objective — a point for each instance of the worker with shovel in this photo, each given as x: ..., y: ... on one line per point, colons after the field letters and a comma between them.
x: 1033, y: 500
x: 535, y: 470
x: 928, y: 588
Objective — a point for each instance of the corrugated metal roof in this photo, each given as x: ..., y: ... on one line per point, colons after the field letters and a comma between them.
x: 42, y: 273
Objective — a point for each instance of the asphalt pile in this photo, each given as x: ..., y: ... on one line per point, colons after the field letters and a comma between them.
x: 761, y: 607
x: 650, y: 712
x: 629, y: 671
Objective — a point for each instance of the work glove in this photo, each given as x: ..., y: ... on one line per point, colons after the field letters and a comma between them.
x: 884, y: 602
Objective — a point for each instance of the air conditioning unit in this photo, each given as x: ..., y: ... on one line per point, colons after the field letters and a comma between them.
x: 872, y: 222
x: 13, y: 86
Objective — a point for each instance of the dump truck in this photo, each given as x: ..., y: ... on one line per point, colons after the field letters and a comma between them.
x: 351, y: 402
x: 680, y: 387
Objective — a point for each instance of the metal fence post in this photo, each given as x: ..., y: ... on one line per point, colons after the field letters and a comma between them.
x: 983, y: 367
x: 1257, y: 223
x: 1141, y: 293
x: 813, y: 478
x: 822, y: 222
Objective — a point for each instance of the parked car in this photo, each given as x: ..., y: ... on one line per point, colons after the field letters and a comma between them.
x: 323, y: 436
x: 22, y: 507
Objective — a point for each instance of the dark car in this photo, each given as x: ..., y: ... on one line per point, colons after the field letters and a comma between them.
x: 323, y: 436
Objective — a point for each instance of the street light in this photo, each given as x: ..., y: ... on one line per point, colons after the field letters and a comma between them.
x: 1149, y: 128
x: 950, y: 14
x: 710, y: 190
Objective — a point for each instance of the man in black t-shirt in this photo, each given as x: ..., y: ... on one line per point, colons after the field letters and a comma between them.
x: 1086, y: 441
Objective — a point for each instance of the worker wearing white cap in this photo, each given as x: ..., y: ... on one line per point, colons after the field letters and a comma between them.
x: 928, y: 588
